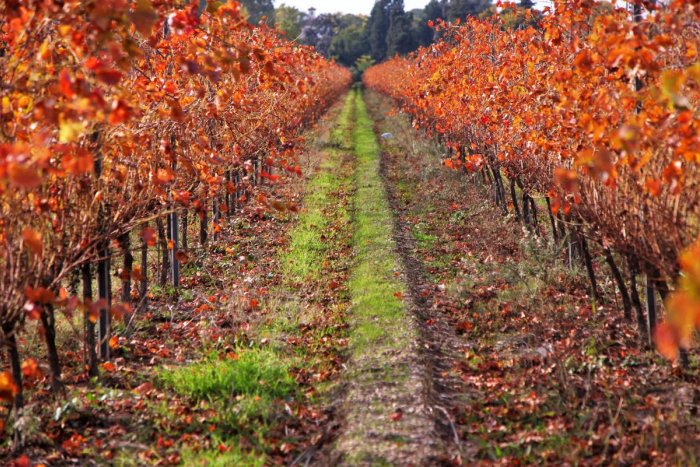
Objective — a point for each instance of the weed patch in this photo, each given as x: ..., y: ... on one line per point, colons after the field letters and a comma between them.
x: 254, y: 372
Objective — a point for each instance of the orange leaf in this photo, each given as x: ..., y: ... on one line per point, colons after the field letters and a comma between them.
x: 109, y: 367
x: 164, y: 176
x: 653, y: 186
x: 113, y: 342
x: 30, y: 369
x: 118, y: 310
x: 666, y: 341
x: 79, y: 163
x: 32, y: 239
x: 566, y: 179
x: 8, y: 388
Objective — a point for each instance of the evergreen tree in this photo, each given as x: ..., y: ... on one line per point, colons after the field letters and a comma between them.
x: 462, y: 8
x: 434, y: 10
x: 399, y: 38
x: 526, y: 4
x: 349, y: 44
x: 377, y: 28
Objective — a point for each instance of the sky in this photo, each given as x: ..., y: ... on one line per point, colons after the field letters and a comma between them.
x: 349, y: 6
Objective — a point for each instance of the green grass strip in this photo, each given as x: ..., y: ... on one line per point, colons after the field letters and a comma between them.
x: 376, y: 290
x: 304, y: 258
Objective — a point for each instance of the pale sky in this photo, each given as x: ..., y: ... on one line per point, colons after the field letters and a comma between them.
x: 351, y: 6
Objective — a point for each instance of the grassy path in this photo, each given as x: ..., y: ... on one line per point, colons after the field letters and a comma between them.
x: 387, y: 418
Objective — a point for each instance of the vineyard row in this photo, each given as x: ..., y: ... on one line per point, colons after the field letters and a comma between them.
x: 593, y: 111
x: 122, y: 121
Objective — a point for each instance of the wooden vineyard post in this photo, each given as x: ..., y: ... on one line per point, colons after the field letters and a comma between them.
x: 236, y: 189
x: 173, y: 229
x: 144, y: 275
x: 216, y: 213
x: 229, y: 196
x: 651, y: 306
x: 90, y: 347
x: 104, y: 291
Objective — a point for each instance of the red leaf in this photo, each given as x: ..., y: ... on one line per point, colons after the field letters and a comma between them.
x: 666, y: 341
x: 120, y: 113
x: 145, y: 388
x: 109, y: 367
x: 23, y: 175
x: 109, y: 76
x: 148, y: 234
x: 40, y: 295
x: 182, y: 257
x: 65, y: 85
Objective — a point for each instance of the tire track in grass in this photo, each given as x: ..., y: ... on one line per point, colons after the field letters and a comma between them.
x: 309, y: 305
x: 388, y: 420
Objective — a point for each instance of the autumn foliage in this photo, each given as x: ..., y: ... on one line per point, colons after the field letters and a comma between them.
x: 594, y: 109
x: 116, y: 113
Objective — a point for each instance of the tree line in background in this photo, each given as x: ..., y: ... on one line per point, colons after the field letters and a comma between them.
x: 358, y: 41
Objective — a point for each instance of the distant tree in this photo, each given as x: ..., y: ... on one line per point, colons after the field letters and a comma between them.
x: 526, y: 4
x: 350, y: 43
x: 519, y: 17
x: 321, y: 31
x: 399, y: 39
x: 361, y: 65
x: 288, y: 19
x: 434, y: 10
x: 318, y: 31
x: 256, y: 9
x: 377, y: 28
x: 463, y: 8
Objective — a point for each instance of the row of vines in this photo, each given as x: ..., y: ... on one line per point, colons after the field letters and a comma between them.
x: 593, y: 111
x: 121, y: 123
